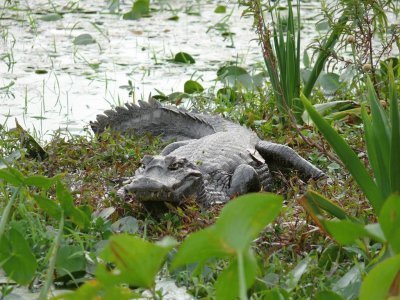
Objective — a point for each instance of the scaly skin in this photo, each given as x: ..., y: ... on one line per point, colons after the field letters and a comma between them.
x: 214, y: 160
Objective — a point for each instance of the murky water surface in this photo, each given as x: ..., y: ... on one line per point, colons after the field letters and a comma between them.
x: 48, y: 83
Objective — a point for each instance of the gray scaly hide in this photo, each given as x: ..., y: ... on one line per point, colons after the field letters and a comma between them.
x: 212, y: 160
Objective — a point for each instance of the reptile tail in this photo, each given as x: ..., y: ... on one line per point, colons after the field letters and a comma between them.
x: 152, y: 117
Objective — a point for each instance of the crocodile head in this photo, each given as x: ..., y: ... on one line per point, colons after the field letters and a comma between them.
x: 166, y: 178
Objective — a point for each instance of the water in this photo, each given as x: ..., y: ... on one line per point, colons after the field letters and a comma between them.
x: 82, y: 81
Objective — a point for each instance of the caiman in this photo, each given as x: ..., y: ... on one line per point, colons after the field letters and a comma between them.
x: 212, y: 159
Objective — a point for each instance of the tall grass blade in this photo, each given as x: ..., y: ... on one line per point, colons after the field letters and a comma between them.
x: 348, y: 157
x: 395, y: 135
x: 380, y: 141
x: 324, y: 54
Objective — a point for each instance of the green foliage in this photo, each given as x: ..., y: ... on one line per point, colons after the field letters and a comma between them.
x: 137, y: 261
x: 192, y: 86
x: 185, y: 58
x: 16, y: 257
x: 381, y: 133
x: 84, y: 39
x: 140, y: 8
x: 240, y: 222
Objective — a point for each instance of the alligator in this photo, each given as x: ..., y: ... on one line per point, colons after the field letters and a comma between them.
x: 211, y: 159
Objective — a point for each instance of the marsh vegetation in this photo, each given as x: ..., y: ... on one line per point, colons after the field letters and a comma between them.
x: 321, y: 77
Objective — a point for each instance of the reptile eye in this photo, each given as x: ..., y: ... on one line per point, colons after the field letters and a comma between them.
x: 175, y: 165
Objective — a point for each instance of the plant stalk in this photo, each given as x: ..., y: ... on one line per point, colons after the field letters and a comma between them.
x: 52, y: 262
x: 7, y: 211
x: 242, y: 278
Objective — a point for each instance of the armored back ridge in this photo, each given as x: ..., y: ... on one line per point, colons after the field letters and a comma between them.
x: 167, y: 121
x: 213, y: 160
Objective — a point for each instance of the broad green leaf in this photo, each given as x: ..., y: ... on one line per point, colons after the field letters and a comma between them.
x: 70, y: 259
x: 127, y: 224
x: 16, y: 257
x: 348, y: 157
x: 239, y: 82
x: 240, y: 222
x: 329, y: 82
x: 227, y: 284
x: 220, y: 9
x: 49, y: 206
x: 41, y: 181
x: 183, y: 57
x: 346, y: 232
x: 328, y: 295
x: 12, y: 176
x: 139, y: 9
x: 136, y: 260
x: 192, y: 87
x: 230, y: 71
x: 84, y: 39
x: 243, y: 218
x: 389, y: 219
x: 348, y: 285
x: 378, y: 282
x: 199, y: 247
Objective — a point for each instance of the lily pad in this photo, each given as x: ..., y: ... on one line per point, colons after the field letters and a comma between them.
x: 51, y: 17
x: 192, y: 86
x: 84, y: 39
x: 183, y: 57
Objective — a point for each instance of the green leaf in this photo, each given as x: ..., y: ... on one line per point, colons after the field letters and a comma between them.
x: 240, y: 222
x: 230, y: 71
x: 49, y: 206
x: 199, y: 247
x: 395, y: 134
x: 136, y: 260
x: 328, y: 295
x: 346, y: 232
x: 65, y: 199
x: 16, y: 257
x: 183, y: 57
x: 41, y: 181
x: 379, y: 280
x: 51, y: 17
x: 83, y: 39
x: 127, y: 224
x: 93, y: 289
x: 12, y: 176
x: 139, y: 9
x: 328, y: 109
x: 348, y: 157
x: 294, y: 276
x: 243, y: 218
x: 192, y: 87
x: 227, y: 284
x: 378, y: 140
x: 389, y: 219
x: 220, y: 9
x: 313, y: 202
x: 70, y: 258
